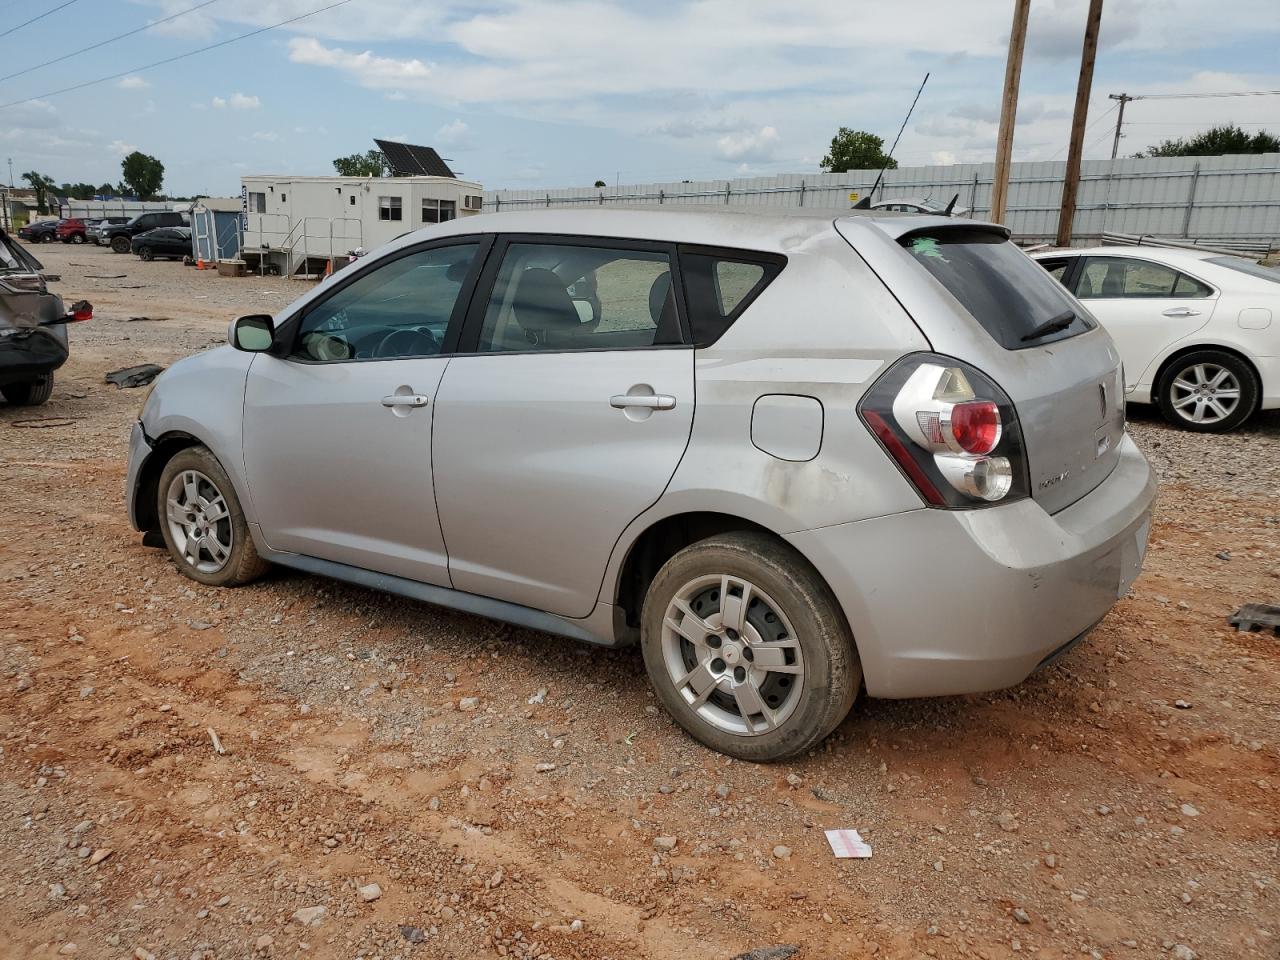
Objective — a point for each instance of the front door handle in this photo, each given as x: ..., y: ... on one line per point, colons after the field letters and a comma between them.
x: 1181, y: 312
x: 660, y: 401
x: 405, y: 400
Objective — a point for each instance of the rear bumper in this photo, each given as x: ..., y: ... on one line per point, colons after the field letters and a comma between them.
x: 948, y: 602
x: 28, y: 354
x: 1269, y: 374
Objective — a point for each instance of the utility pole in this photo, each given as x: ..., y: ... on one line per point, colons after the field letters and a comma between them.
x: 1071, y: 184
x: 1009, y: 109
x: 1123, y: 98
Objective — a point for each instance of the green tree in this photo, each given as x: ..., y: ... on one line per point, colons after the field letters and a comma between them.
x: 1215, y: 141
x: 370, y: 164
x: 856, y: 150
x: 142, y: 174
x: 106, y: 190
x: 601, y: 183
x: 78, y: 191
x: 43, y: 186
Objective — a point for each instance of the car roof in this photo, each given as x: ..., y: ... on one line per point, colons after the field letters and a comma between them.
x: 1150, y: 251
x: 775, y: 229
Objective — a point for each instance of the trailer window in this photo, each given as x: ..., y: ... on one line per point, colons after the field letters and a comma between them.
x: 257, y: 203
x: 438, y: 211
x: 389, y: 208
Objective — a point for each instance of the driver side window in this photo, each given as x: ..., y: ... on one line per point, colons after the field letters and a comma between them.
x: 400, y: 309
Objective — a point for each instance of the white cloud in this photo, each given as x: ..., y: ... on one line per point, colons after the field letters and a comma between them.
x: 749, y: 147
x: 237, y: 101
x: 456, y: 133
x: 266, y: 136
x: 133, y: 82
x: 120, y: 148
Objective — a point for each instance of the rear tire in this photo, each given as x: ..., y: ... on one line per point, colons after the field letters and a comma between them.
x: 762, y: 680
x: 120, y: 244
x: 202, y: 522
x: 29, y: 394
x: 1218, y: 387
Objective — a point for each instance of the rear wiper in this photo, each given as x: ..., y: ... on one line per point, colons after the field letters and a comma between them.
x: 1052, y: 325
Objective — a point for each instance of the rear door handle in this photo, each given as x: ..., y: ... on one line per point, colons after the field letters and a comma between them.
x: 660, y: 401
x: 1181, y: 312
x: 405, y: 400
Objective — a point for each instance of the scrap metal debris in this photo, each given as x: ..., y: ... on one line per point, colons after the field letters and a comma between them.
x: 1253, y: 617
x: 138, y: 376
x: 105, y: 276
x: 781, y: 952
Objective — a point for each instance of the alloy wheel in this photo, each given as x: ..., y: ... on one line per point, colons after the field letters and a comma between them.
x: 730, y: 652
x: 199, y: 521
x: 1205, y: 393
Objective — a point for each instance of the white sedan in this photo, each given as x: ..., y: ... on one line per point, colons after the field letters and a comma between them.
x: 1199, y: 333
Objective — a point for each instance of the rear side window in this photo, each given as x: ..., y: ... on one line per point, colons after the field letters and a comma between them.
x: 720, y: 286
x: 1009, y: 294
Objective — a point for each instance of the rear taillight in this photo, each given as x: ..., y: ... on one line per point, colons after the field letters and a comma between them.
x: 951, y: 430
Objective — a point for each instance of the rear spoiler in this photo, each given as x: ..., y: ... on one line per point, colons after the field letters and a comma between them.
x: 901, y: 228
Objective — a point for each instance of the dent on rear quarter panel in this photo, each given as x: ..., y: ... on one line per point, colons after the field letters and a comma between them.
x: 203, y: 395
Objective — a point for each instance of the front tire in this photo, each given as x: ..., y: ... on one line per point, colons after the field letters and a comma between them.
x: 202, y: 522
x: 1208, y: 391
x: 29, y: 394
x: 145, y: 253
x: 747, y: 648
x: 120, y: 244
x: 77, y: 238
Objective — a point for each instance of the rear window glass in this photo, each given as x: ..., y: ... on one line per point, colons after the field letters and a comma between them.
x: 1247, y: 266
x: 1010, y: 295
x: 719, y: 287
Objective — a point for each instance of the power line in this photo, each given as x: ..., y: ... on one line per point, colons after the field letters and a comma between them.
x: 40, y: 16
x: 173, y: 59
x: 1205, y: 96
x: 103, y: 43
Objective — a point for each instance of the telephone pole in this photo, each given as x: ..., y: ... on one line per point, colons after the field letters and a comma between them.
x: 1071, y: 183
x: 1123, y: 98
x: 1009, y: 109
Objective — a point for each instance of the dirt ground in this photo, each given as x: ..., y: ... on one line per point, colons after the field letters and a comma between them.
x: 1122, y: 803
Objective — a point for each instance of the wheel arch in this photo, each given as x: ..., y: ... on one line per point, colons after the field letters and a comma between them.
x: 163, y: 449
x: 1177, y: 354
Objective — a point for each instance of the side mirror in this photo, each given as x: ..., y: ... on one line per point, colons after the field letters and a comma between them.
x: 253, y: 334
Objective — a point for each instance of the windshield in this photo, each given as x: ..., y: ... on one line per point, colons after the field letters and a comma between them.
x: 1008, y: 293
x: 1247, y: 266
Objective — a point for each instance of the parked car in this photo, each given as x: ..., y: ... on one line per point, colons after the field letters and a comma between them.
x: 120, y: 236
x: 791, y: 456
x: 71, y: 230
x: 914, y: 205
x: 42, y: 231
x: 1195, y: 329
x: 95, y: 229
x: 33, y: 327
x: 166, y: 243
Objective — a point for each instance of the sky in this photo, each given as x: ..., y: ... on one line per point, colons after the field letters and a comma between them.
x: 533, y: 93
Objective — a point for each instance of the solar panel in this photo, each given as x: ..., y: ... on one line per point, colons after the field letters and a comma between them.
x: 408, y: 160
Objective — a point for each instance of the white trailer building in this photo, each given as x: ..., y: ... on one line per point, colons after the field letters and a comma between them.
x: 297, y: 225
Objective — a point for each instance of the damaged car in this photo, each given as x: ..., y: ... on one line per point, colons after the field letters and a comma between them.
x: 33, y: 327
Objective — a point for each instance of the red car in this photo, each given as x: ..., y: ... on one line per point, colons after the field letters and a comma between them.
x: 71, y: 230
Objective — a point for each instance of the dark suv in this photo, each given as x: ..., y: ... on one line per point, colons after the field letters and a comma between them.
x: 120, y: 237
x: 33, y: 327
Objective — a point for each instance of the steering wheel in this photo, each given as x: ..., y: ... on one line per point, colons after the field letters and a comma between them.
x: 407, y: 342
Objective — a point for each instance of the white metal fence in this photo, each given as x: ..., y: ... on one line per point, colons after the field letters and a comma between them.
x: 1232, y: 199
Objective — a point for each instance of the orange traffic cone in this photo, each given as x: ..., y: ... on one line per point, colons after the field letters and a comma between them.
x: 200, y: 264
x: 328, y: 269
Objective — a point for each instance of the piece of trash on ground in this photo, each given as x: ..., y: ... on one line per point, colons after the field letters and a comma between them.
x: 138, y: 376
x: 1253, y: 617
x: 217, y: 743
x: 105, y: 276
x: 846, y: 844
x: 43, y: 423
x: 132, y: 319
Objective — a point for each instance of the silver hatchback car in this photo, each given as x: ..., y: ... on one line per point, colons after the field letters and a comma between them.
x: 791, y: 456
